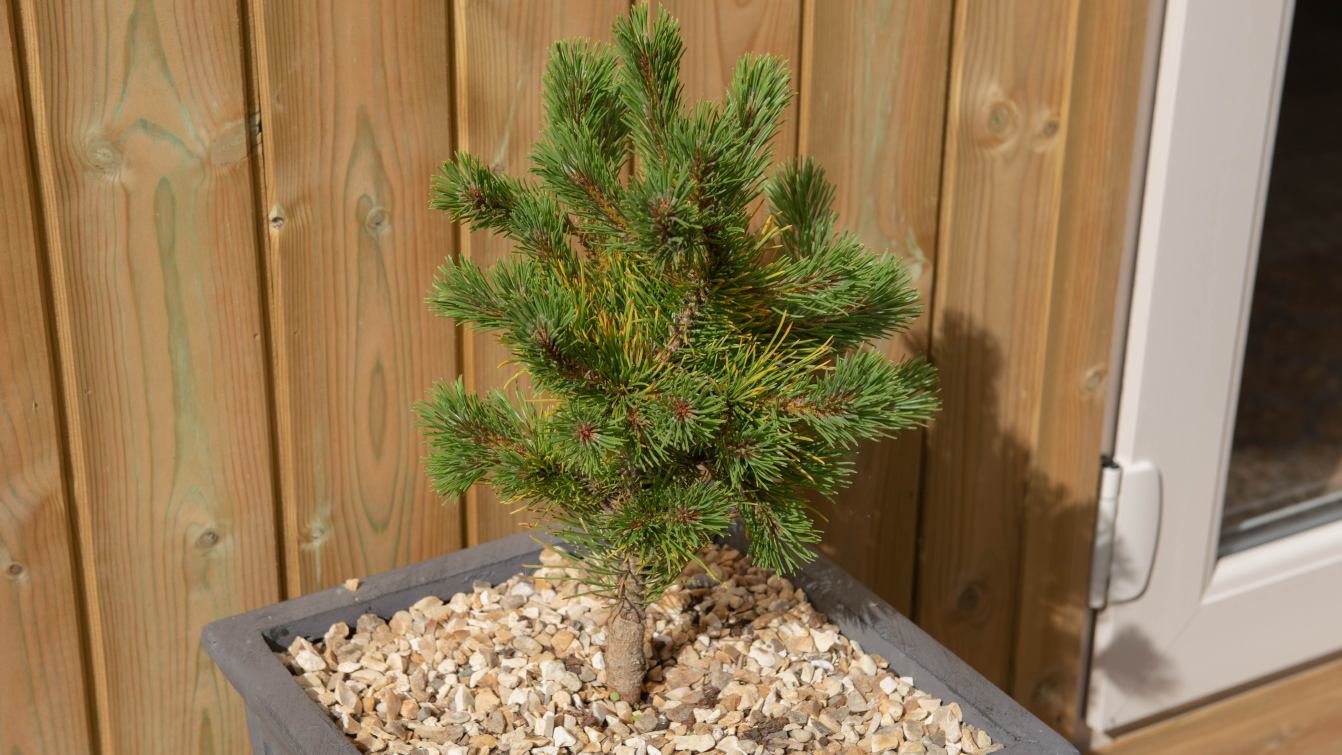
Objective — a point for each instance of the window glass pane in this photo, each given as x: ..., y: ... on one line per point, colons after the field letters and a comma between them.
x: 1286, y: 463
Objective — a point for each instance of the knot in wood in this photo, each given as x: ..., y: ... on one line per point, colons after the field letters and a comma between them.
x: 15, y: 569
x: 231, y: 145
x: 377, y: 219
x: 999, y: 119
x: 1001, y: 122
x: 1094, y: 377
x: 102, y: 155
x: 208, y: 539
x: 970, y: 598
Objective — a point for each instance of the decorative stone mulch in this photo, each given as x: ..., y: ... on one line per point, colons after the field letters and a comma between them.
x: 743, y: 666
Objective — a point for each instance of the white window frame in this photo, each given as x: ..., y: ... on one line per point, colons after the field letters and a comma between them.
x: 1202, y: 625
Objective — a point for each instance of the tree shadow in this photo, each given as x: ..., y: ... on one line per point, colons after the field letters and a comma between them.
x: 1135, y: 665
x: 1001, y: 525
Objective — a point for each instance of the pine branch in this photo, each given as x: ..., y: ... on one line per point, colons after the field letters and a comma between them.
x: 470, y: 192
x: 649, y: 78
x: 694, y: 371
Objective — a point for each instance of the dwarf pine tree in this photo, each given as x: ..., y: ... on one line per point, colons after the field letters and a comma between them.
x: 687, y: 370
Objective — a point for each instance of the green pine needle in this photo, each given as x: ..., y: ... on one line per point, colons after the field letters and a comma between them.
x: 687, y: 370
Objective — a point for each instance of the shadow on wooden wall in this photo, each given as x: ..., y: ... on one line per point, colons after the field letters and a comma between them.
x: 212, y: 329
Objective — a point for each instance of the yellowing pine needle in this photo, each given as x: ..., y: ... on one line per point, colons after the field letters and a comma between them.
x: 514, y: 377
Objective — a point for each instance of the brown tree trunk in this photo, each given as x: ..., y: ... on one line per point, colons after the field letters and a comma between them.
x: 625, y: 664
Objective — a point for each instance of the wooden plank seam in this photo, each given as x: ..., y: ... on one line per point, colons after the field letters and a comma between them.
x: 253, y: 29
x: 271, y: 218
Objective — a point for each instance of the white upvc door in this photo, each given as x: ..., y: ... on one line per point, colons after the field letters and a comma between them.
x: 1200, y: 625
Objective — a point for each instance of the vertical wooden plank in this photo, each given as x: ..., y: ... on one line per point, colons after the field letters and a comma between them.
x: 717, y: 34
x: 879, y: 73
x: 46, y: 701
x: 507, y: 45
x: 139, y: 113
x: 1059, y: 514
x: 1006, y: 120
x: 356, y: 117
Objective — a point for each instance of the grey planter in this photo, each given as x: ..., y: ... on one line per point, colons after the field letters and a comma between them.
x: 282, y: 720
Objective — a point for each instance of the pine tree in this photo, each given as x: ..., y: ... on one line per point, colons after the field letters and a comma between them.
x: 688, y: 370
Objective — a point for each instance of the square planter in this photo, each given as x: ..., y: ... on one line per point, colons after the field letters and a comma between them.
x: 282, y: 720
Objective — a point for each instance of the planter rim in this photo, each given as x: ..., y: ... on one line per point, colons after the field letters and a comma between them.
x: 283, y: 720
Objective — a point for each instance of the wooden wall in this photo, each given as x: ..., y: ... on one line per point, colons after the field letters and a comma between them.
x: 217, y: 244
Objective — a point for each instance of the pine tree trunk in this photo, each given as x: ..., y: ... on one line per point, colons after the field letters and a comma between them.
x: 625, y: 664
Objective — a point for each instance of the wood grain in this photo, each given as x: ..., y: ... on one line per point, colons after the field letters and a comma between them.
x: 1295, y: 714
x: 879, y: 73
x: 356, y: 118
x: 507, y: 45
x: 139, y: 115
x: 46, y: 700
x: 1059, y: 516
x: 152, y: 330
x: 1007, y: 118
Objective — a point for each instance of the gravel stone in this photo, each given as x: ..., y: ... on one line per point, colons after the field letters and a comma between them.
x: 740, y: 664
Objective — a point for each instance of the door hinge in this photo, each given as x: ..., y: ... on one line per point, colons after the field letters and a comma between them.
x: 1111, y: 475
x: 1127, y: 528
